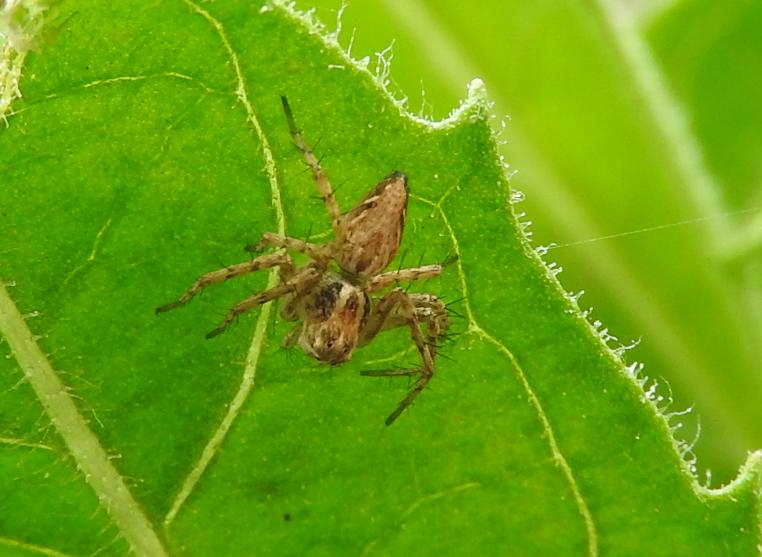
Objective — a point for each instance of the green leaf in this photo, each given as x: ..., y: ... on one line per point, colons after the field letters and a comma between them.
x: 640, y: 164
x: 146, y: 153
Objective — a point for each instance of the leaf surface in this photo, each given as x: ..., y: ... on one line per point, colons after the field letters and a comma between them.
x: 634, y: 131
x: 144, y: 154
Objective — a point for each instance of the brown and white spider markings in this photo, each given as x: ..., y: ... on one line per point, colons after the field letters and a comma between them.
x: 330, y: 296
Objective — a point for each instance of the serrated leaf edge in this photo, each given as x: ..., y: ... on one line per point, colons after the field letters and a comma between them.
x: 476, y: 106
x: 476, y: 329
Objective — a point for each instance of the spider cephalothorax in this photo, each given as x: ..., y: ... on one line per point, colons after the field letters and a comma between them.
x: 331, y: 296
x: 332, y: 315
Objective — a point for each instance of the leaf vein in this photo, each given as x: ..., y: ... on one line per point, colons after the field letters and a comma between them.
x: 101, y: 83
x: 475, y: 328
x: 255, y: 349
x: 93, y: 251
x: 41, y: 549
x: 416, y: 505
x: 13, y: 442
x: 558, y: 457
x: 84, y: 446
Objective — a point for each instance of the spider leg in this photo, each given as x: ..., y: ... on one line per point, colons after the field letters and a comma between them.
x: 264, y: 262
x: 379, y: 282
x: 317, y: 252
x: 293, y: 336
x: 321, y: 180
x: 411, y: 396
x: 289, y: 311
x: 397, y: 309
x: 431, y: 310
x: 422, y: 272
x: 301, y: 281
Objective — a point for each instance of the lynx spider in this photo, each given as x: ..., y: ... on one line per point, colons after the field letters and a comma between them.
x: 329, y: 297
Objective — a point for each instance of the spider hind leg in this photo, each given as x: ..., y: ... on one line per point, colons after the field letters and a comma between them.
x: 316, y: 252
x: 399, y: 309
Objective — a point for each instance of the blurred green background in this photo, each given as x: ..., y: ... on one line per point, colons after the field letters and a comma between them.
x: 634, y: 119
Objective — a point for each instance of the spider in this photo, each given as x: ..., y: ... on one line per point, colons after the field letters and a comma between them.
x: 331, y: 296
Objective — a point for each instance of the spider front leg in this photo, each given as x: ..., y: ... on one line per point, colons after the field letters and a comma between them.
x: 297, y: 285
x: 323, y: 185
x: 264, y: 262
x: 397, y: 309
x: 317, y: 252
x: 379, y: 282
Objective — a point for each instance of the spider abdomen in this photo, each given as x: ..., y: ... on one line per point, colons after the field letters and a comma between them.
x: 372, y: 231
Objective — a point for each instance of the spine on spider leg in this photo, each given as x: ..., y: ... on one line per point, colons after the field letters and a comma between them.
x: 289, y: 116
